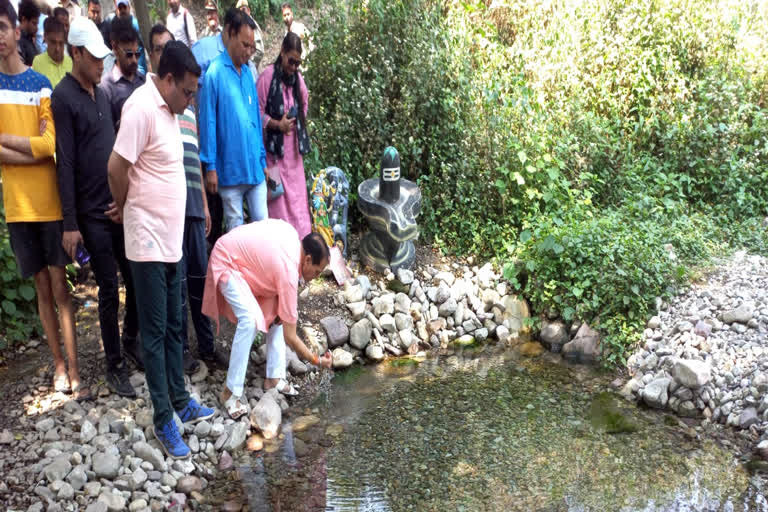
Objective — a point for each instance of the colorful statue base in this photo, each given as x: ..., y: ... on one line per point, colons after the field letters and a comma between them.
x: 329, y: 205
x: 391, y: 205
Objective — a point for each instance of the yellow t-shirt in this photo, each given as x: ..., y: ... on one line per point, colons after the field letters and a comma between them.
x: 30, y: 192
x: 47, y: 67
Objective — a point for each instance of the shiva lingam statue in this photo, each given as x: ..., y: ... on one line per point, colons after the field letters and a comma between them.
x: 391, y: 205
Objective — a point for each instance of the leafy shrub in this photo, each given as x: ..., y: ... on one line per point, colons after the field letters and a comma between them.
x: 18, y: 308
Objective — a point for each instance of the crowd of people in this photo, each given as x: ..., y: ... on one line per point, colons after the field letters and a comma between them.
x: 100, y: 158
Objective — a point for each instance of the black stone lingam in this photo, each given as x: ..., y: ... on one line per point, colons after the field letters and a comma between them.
x: 391, y: 205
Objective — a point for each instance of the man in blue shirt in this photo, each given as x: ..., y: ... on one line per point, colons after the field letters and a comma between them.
x: 230, y: 128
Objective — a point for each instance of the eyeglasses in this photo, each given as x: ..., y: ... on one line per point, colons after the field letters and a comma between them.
x: 131, y: 54
x: 294, y: 62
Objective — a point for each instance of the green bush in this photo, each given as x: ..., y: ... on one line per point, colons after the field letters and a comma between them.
x: 18, y: 307
x: 572, y: 139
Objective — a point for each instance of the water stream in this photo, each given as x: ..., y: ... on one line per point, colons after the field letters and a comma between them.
x: 488, y: 430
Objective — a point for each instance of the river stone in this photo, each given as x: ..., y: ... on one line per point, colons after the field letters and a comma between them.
x: 384, y: 304
x: 152, y: 455
x: 403, y: 321
x: 405, y: 276
x: 200, y: 374
x: 6, y: 437
x: 254, y: 443
x: 554, y: 333
x: 44, y: 425
x: 144, y: 418
x: 113, y: 501
x: 356, y: 309
x: 584, y: 347
x: 515, y: 313
x: 342, y: 359
x: 237, y: 436
x: 98, y: 506
x: 336, y: 330
x: 92, y: 488
x: 202, y: 429
x: 402, y: 303
x: 137, y: 505
x: 267, y: 416
x: 406, y: 338
x: 441, y: 294
x: 189, y: 483
x: 364, y: 283
x: 387, y: 323
x: 655, y: 393
x: 702, y: 329
x: 447, y: 308
x: 374, y: 352
x: 354, y: 294
x: 490, y: 297
x: 741, y: 314
x: 58, y: 469
x: 691, y: 373
x: 303, y: 423
x: 436, y: 325
x: 748, y: 418
x: 360, y: 335
x: 106, y: 465
x: 654, y: 322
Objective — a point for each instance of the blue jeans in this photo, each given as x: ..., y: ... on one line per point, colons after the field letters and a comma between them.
x: 232, y: 201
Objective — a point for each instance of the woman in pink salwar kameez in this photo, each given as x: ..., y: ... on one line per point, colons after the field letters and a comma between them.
x: 283, y: 101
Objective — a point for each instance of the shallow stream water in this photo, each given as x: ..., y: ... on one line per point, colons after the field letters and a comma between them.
x: 487, y: 430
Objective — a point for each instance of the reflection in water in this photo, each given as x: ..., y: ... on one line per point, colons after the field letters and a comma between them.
x: 483, y: 430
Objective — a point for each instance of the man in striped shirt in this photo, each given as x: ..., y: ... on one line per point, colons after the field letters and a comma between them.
x: 31, y: 197
x: 197, y: 225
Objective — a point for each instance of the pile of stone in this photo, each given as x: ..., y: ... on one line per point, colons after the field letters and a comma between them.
x: 410, y: 311
x: 102, y: 455
x: 706, y: 353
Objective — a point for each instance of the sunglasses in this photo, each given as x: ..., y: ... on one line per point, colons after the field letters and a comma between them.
x: 130, y: 54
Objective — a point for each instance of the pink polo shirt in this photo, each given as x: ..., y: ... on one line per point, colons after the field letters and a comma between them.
x: 149, y: 138
x: 266, y: 255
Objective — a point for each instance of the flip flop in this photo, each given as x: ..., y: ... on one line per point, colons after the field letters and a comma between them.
x: 285, y: 388
x: 235, y: 408
x: 61, y: 384
x: 81, y: 393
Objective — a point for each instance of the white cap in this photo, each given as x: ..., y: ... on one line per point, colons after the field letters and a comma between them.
x: 83, y: 32
x: 123, y: 2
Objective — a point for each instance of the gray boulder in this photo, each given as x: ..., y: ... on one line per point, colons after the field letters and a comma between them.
x: 691, y: 373
x: 146, y: 452
x: 106, y: 465
x: 336, y: 330
x: 360, y: 335
x: 342, y: 358
x: 554, y: 333
x: 584, y: 347
x: 655, y: 394
x: 741, y: 314
x: 267, y: 416
x: 58, y: 469
x: 374, y: 352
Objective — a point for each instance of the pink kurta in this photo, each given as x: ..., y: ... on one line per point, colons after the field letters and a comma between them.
x: 267, y: 256
x: 293, y: 206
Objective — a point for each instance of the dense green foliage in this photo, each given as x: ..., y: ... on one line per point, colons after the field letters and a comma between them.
x: 573, y: 140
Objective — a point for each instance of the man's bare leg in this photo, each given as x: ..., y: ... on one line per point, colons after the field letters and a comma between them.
x: 47, y: 312
x: 66, y: 321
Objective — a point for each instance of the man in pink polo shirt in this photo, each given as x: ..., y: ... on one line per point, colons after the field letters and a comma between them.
x: 147, y: 180
x: 253, y: 278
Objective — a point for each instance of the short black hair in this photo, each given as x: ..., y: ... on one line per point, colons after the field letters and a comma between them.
x: 177, y: 59
x: 314, y: 245
x: 53, y: 26
x: 28, y: 10
x: 121, y: 31
x: 286, y: 4
x: 237, y: 22
x: 8, y: 11
x: 60, y: 11
x: 156, y: 30
x: 229, y: 15
x: 94, y: 2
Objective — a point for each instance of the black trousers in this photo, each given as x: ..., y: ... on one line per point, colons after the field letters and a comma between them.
x: 194, y: 267
x: 216, y: 210
x: 105, y: 242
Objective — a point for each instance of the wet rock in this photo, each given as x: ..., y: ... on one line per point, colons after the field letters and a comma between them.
x: 300, y: 448
x: 342, y: 359
x: 584, y: 347
x: 303, y: 423
x: 531, y: 349
x: 516, y: 311
x: 225, y: 461
x: 255, y: 443
x: 267, y: 416
x: 336, y: 330
x: 655, y: 394
x: 237, y: 436
x: 554, y: 334
x: 360, y: 335
x: 691, y: 373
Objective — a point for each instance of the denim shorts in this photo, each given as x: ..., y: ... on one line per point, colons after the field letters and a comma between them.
x: 37, y: 245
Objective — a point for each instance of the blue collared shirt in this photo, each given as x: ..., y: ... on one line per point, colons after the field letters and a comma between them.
x: 205, y: 51
x: 230, y: 124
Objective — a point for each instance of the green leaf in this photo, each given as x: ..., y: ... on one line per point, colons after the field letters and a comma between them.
x: 577, y: 292
x: 9, y: 307
x: 26, y: 292
x: 531, y: 169
x: 568, y: 313
x: 520, y: 180
x: 522, y: 156
x: 635, y: 289
x: 525, y: 235
x: 501, y: 185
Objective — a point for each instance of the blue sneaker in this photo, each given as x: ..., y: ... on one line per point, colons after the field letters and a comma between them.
x: 195, y: 412
x: 171, y: 441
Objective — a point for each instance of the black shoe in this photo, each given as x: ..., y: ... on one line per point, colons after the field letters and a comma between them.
x: 118, y: 380
x: 215, y: 359
x: 132, y: 352
x: 190, y: 363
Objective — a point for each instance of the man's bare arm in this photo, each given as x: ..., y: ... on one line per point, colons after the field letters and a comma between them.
x: 293, y: 341
x: 117, y: 173
x: 9, y: 155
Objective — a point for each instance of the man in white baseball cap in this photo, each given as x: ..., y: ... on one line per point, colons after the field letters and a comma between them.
x: 84, y: 34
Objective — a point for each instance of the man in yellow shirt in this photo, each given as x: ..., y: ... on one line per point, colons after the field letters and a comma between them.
x: 31, y: 197
x: 53, y: 63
